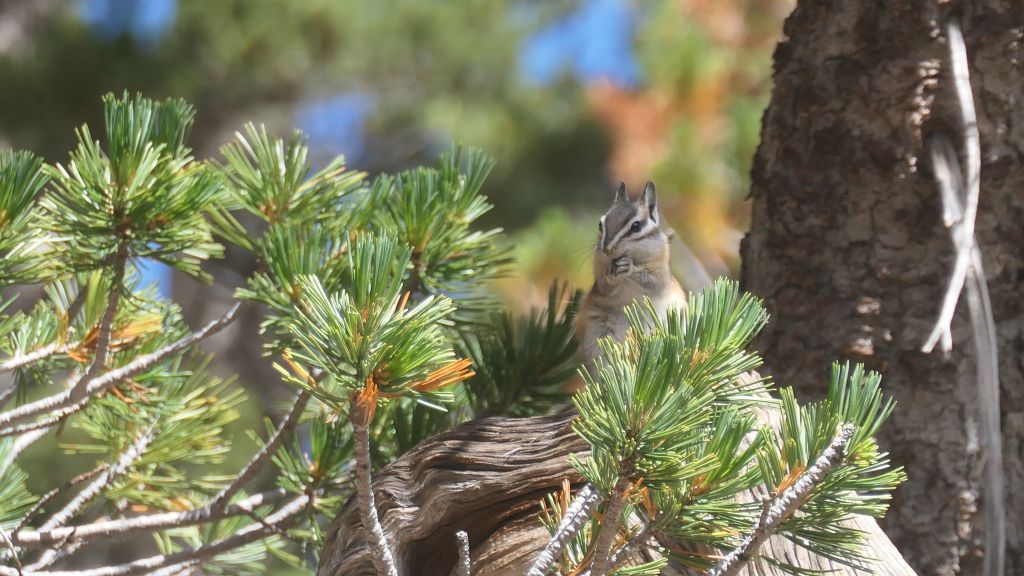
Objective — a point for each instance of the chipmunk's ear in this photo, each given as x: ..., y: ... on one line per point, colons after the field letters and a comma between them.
x: 650, y: 200
x: 620, y: 193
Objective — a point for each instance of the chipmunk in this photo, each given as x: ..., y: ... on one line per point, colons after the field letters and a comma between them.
x: 631, y: 261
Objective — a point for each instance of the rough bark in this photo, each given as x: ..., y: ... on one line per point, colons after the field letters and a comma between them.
x: 848, y: 249
x: 486, y: 477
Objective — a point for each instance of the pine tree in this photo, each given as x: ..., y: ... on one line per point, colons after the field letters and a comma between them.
x: 376, y: 311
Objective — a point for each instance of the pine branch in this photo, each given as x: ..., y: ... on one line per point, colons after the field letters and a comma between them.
x: 14, y: 551
x: 784, y: 505
x: 249, y: 534
x: 128, y: 457
x: 465, y: 562
x: 20, y: 445
x: 380, y: 551
x: 52, y: 494
x: 574, y: 518
x: 148, y: 523
x: 609, y: 526
x: 105, y: 382
x: 265, y: 453
x: 180, y: 569
x: 626, y: 548
x: 36, y: 355
x: 99, y: 362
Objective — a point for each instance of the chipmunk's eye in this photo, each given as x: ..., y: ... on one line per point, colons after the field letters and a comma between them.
x: 600, y: 226
x: 635, y: 227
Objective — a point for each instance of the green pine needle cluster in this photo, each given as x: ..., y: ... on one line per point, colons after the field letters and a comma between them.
x: 367, y: 335
x: 672, y: 411
x: 523, y: 361
x: 143, y: 195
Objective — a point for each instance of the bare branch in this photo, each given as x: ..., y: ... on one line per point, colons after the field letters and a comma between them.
x: 106, y: 381
x: 83, y: 477
x: 960, y: 207
x: 14, y: 551
x: 268, y: 450
x: 609, y: 526
x: 19, y: 446
x: 42, y: 353
x: 947, y: 175
x: 127, y: 458
x: 250, y: 533
x: 148, y: 523
x: 380, y: 551
x: 575, y: 517
x: 465, y: 563
x: 99, y: 360
x: 972, y: 149
x: 784, y: 505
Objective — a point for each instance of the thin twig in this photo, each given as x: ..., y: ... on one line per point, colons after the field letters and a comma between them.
x: 576, y: 515
x: 14, y: 551
x: 465, y: 563
x: 126, y: 459
x: 972, y: 150
x: 620, y: 554
x: 177, y: 569
x: 113, y: 377
x: 83, y: 477
x: 380, y: 551
x: 8, y: 393
x: 268, y: 450
x: 960, y: 206
x: 609, y: 526
x: 147, y: 523
x: 19, y: 446
x: 946, y: 168
x: 99, y: 360
x: 42, y: 353
x: 784, y: 505
x: 250, y: 533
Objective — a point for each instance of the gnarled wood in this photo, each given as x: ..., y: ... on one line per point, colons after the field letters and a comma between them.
x: 487, y: 477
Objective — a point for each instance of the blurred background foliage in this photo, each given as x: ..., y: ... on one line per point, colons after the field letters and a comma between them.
x: 569, y: 96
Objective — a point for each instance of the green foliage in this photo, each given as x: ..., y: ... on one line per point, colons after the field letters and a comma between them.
x: 21, y: 179
x: 523, y: 363
x: 579, y: 549
x: 670, y: 410
x: 185, y: 412
x: 143, y: 196
x: 15, y: 498
x: 431, y: 210
x: 365, y: 336
x: 245, y: 560
x: 270, y: 179
x: 649, y: 407
x: 862, y: 484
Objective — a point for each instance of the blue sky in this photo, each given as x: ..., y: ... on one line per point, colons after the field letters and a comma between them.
x: 593, y: 42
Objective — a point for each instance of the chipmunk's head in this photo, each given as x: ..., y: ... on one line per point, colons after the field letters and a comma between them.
x: 632, y: 227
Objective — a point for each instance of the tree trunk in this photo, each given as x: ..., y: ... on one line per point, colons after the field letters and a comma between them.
x: 848, y: 249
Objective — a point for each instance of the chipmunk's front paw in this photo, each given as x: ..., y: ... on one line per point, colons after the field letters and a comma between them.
x: 621, y: 265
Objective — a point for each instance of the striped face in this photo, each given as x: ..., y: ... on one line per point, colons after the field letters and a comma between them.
x: 631, y: 225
